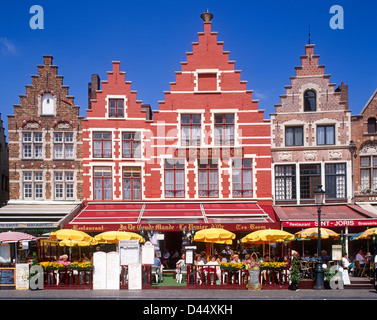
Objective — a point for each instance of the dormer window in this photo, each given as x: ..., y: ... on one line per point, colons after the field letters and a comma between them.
x: 48, y: 104
x: 310, y: 101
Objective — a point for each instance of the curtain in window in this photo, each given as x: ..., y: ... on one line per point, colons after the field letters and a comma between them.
x: 136, y: 149
x: 247, y: 183
x: 330, y: 135
x: 237, y: 184
x: 203, y: 186
x: 218, y: 134
x: 127, y: 189
x: 97, y: 189
x: 97, y: 152
x: 289, y: 139
x: 169, y: 183
x: 213, y: 186
x: 179, y: 183
x: 374, y: 179
x: 126, y: 149
x: 320, y: 135
x: 195, y: 135
x: 229, y: 135
x: 107, y: 148
x: 185, y: 135
x: 107, y: 194
x: 136, y: 191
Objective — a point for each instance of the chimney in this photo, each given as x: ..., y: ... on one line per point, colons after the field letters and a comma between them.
x: 343, y: 89
x: 47, y: 60
x: 92, y: 87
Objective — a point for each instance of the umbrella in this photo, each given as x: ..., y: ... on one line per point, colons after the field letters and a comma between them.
x: 115, y: 236
x: 70, y: 234
x: 267, y: 235
x: 367, y: 234
x: 312, y: 233
x: 11, y: 237
x: 214, y: 235
x: 78, y: 243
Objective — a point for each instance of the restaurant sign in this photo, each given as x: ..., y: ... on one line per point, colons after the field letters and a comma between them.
x: 171, y: 227
x: 331, y: 223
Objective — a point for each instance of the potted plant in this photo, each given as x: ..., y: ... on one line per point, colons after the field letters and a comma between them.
x: 328, y: 274
x: 295, y: 276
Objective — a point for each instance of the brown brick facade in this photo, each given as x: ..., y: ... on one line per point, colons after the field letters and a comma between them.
x: 45, y: 141
x: 365, y: 138
x: 302, y: 137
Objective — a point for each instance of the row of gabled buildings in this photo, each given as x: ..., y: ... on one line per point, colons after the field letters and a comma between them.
x: 206, y: 157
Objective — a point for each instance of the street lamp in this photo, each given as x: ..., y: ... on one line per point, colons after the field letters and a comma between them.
x: 319, y: 196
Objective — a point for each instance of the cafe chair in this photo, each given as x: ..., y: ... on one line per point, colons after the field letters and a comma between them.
x: 359, y: 271
x: 304, y: 266
x: 182, y: 274
x: 156, y: 273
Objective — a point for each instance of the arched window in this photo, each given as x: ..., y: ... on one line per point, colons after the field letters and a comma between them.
x: 310, y: 100
x: 372, y: 125
x: 48, y: 104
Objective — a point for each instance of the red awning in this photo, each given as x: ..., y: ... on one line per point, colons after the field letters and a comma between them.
x: 331, y: 216
x: 173, y: 216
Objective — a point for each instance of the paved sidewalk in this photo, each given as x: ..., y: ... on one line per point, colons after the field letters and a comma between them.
x: 167, y: 294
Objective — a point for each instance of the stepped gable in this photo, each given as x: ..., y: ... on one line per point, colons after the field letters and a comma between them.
x: 311, y: 75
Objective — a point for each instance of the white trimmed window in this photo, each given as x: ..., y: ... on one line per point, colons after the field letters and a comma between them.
x: 63, y: 145
x: 32, y: 145
x: 63, y: 181
x: 32, y: 185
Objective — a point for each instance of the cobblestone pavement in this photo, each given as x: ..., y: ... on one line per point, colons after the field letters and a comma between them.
x: 167, y: 294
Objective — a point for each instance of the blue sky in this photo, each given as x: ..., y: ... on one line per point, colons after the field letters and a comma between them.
x: 265, y: 38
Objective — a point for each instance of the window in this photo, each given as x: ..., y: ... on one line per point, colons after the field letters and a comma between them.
x: 63, y: 185
x: 102, y: 183
x: 63, y: 145
x: 131, y: 183
x: 116, y: 108
x: 48, y: 104
x: 285, y: 182
x: 32, y: 145
x: 102, y: 144
x: 372, y: 125
x: 190, y: 129
x: 294, y: 136
x: 33, y: 185
x: 310, y: 100
x: 131, y: 145
x: 208, y: 178
x: 326, y: 135
x: 335, y: 176
x: 224, y: 129
x: 242, y: 178
x: 310, y: 179
x: 174, y: 178
x: 368, y: 172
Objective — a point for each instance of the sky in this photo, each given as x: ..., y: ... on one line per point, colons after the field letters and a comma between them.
x: 150, y: 38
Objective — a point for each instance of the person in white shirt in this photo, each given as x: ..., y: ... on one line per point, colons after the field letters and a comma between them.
x: 213, y: 262
x: 346, y: 262
x: 360, y: 257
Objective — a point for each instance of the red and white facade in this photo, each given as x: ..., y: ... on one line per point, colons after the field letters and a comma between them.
x: 202, y: 158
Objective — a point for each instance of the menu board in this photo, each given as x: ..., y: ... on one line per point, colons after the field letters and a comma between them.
x: 113, y: 271
x: 147, y: 253
x: 134, y: 276
x: 7, y: 278
x: 99, y: 275
x: 22, y: 276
